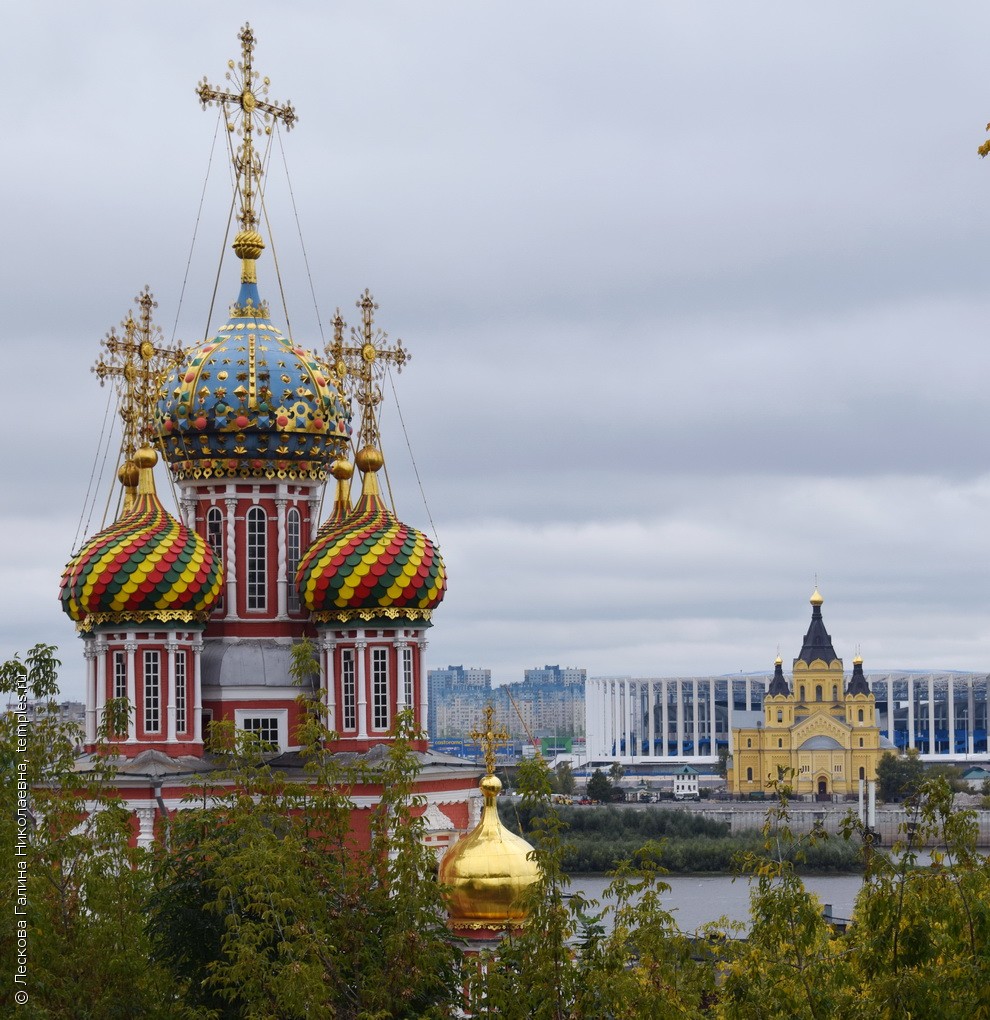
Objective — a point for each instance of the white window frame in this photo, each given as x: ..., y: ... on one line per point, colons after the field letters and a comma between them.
x: 120, y: 674
x: 242, y: 716
x: 256, y: 527
x: 407, y: 677
x: 181, y: 693
x: 214, y: 537
x: 151, y: 682
x: 348, y: 690
x: 293, y: 547
x: 379, y: 689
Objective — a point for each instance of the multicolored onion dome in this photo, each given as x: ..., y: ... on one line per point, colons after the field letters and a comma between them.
x: 250, y: 403
x: 146, y: 567
x: 371, y: 566
x: 487, y: 871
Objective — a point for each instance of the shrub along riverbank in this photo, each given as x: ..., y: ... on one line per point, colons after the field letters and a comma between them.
x: 598, y: 839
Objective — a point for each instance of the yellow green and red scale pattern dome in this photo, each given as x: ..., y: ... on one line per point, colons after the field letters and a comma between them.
x: 372, y: 561
x: 144, y: 567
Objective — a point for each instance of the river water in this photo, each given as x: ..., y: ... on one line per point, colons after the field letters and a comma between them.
x: 695, y: 900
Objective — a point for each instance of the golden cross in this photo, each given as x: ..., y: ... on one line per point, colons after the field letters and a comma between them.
x: 365, y: 360
x: 256, y: 111
x: 490, y: 738
x: 138, y: 362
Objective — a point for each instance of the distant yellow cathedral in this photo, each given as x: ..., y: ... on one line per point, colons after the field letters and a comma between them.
x: 819, y: 737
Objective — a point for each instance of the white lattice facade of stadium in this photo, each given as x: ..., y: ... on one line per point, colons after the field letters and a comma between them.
x: 943, y: 715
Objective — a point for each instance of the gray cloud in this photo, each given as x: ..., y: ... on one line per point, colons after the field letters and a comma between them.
x: 695, y: 295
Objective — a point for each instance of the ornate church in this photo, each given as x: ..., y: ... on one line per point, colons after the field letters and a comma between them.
x: 818, y: 735
x: 193, y: 618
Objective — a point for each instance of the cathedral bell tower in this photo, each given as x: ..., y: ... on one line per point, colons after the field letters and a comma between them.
x: 249, y: 425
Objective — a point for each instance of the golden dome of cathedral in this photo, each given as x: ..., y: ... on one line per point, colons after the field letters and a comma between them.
x: 487, y: 871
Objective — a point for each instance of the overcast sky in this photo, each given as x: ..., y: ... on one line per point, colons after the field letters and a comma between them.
x: 696, y: 295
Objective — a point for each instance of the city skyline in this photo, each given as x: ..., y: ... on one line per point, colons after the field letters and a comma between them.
x: 695, y: 299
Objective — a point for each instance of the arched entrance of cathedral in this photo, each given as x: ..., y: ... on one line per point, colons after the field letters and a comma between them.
x: 823, y: 793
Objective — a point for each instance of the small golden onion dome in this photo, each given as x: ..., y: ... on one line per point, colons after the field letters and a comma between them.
x: 248, y: 244
x: 858, y: 660
x: 127, y: 475
x: 145, y: 458
x: 341, y: 469
x: 816, y: 597
x: 369, y: 459
x: 488, y: 870
x: 778, y: 661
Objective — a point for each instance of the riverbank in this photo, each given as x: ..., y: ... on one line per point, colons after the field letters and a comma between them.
x: 598, y: 839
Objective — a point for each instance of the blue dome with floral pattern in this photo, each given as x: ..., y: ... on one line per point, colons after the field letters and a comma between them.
x: 250, y: 403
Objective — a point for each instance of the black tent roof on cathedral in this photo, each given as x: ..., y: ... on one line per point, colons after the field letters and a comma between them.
x: 817, y: 643
x: 858, y: 684
x: 778, y: 685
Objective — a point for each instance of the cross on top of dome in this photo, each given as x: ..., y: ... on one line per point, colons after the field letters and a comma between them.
x: 138, y: 363
x: 490, y: 738
x: 248, y: 94
x: 363, y: 362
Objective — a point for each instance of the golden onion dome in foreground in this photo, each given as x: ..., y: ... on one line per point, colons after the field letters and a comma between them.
x: 487, y: 871
x: 816, y: 597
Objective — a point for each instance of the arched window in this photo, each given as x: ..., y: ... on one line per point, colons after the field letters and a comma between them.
x: 749, y: 775
x: 292, y: 542
x: 860, y: 715
x: 818, y: 692
x: 214, y: 536
x: 862, y: 772
x: 749, y: 742
x: 780, y: 741
x: 802, y: 692
x: 835, y: 693
x: 257, y: 559
x: 780, y: 715
x: 860, y: 741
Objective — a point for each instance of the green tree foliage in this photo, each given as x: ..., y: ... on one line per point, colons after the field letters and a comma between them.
x: 256, y: 902
x: 917, y: 945
x: 83, y: 885
x: 563, y: 779
x: 922, y: 930
x: 574, y: 959
x: 899, y: 776
x: 599, y: 787
x: 264, y: 905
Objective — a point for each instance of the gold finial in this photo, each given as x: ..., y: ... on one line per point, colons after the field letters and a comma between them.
x: 364, y: 362
x: 816, y: 596
x: 248, y: 94
x: 490, y: 738
x: 138, y: 363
